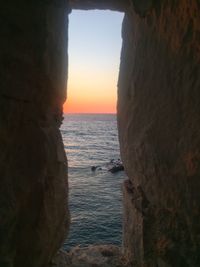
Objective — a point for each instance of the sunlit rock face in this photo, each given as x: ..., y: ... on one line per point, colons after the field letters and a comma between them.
x: 159, y: 120
x: 33, y: 170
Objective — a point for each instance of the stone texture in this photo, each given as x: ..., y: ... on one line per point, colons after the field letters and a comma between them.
x: 91, y: 256
x: 159, y: 120
x: 117, y: 5
x: 33, y: 169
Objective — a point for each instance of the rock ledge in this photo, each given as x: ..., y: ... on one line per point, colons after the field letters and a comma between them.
x: 91, y: 256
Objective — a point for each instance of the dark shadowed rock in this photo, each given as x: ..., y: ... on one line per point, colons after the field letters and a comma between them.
x: 34, y: 216
x: 91, y: 256
x: 117, y: 5
x: 159, y: 120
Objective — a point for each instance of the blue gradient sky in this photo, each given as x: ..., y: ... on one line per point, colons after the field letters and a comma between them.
x: 94, y: 54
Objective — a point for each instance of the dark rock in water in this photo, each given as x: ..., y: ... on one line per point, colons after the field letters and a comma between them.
x: 113, y: 166
x: 93, y: 168
x: 116, y: 168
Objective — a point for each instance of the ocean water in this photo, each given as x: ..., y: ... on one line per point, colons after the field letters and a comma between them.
x: 95, y: 197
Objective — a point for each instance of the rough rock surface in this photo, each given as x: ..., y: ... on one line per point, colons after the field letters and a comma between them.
x: 117, y: 5
x: 92, y: 256
x: 159, y: 120
x: 33, y: 167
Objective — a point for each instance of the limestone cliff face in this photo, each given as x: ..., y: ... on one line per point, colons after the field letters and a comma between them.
x: 159, y: 120
x: 33, y: 169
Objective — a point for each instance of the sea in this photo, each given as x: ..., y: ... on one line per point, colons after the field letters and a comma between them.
x: 95, y: 197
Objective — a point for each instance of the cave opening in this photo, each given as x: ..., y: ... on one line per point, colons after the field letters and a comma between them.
x: 89, y: 129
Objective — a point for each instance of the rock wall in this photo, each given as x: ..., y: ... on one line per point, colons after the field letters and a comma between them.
x: 117, y: 5
x: 158, y: 118
x: 33, y: 167
x: 159, y: 121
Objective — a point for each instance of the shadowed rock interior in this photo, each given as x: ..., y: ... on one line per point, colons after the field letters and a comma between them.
x: 158, y: 121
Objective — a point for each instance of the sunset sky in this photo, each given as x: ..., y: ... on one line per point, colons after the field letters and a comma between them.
x: 94, y: 54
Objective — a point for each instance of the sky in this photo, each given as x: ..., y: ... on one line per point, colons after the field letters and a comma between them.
x: 94, y: 55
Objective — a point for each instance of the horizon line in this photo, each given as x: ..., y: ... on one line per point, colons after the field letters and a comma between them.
x: 111, y: 113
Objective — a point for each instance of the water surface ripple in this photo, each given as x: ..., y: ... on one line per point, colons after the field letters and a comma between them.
x: 95, y: 198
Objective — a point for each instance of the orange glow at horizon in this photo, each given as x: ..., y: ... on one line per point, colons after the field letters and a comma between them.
x: 91, y: 92
x: 93, y: 62
x: 77, y: 106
